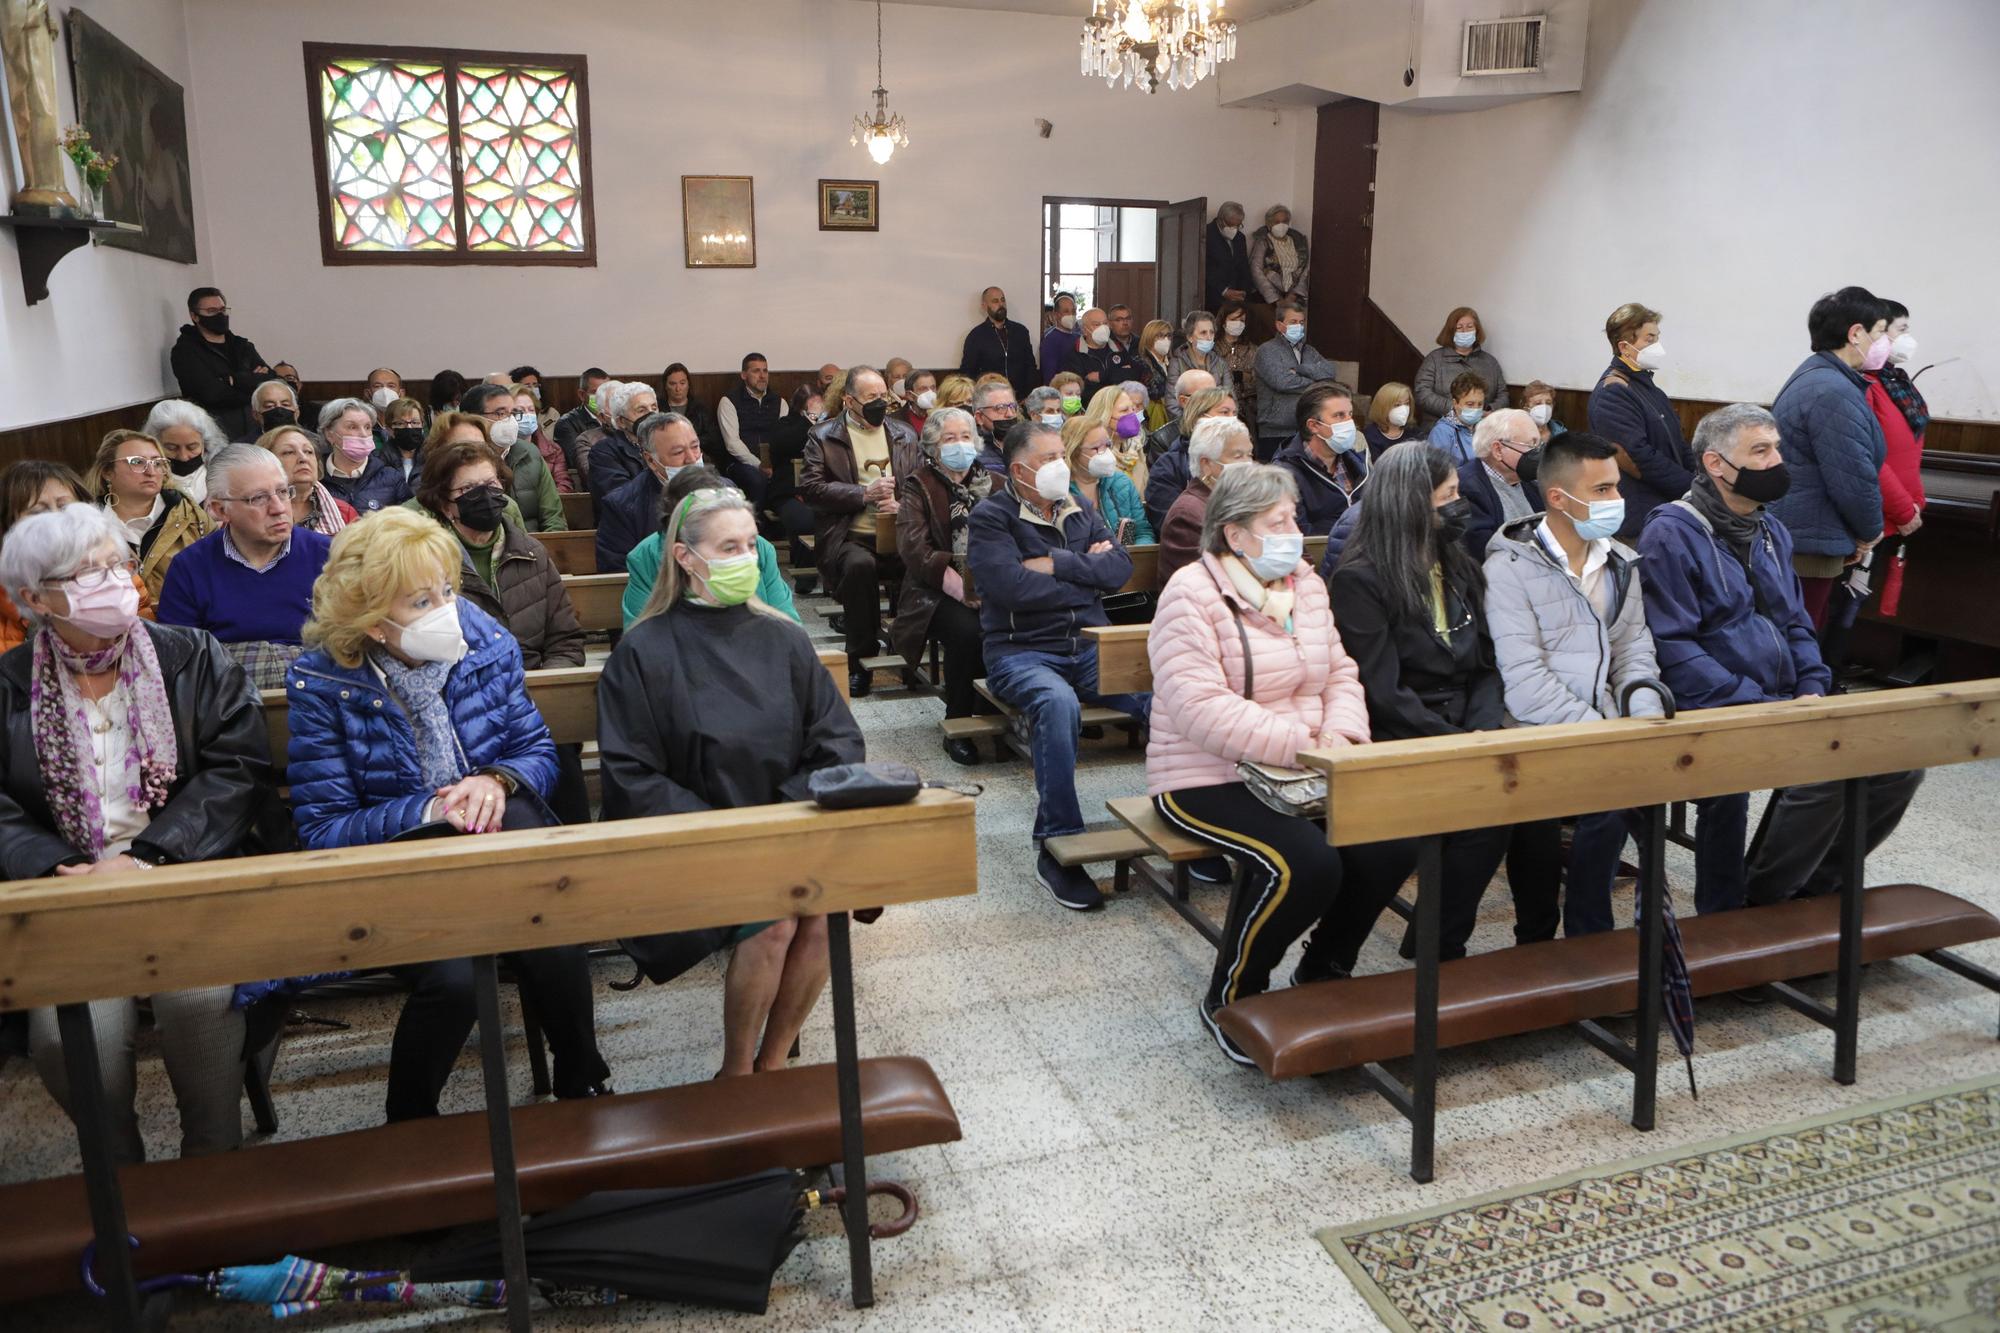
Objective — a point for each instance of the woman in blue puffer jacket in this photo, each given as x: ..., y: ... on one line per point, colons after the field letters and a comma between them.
x: 410, y: 716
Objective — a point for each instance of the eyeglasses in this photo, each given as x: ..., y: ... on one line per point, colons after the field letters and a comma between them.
x: 96, y: 576
x: 1002, y: 409
x: 464, y: 491
x: 262, y: 499
x: 140, y: 463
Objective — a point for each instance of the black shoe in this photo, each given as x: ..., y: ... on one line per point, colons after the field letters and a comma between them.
x: 1092, y: 733
x: 859, y: 682
x: 1068, y: 885
x: 1229, y: 1048
x: 837, y: 622
x: 910, y: 681
x: 804, y: 585
x: 1212, y: 870
x: 1308, y: 971
x: 962, y: 751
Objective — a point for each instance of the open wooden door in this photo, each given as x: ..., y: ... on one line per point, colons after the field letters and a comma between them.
x: 1131, y: 284
x: 1181, y: 254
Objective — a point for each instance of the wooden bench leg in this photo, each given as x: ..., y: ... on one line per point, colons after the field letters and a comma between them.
x: 847, y: 1067
x: 500, y: 1129
x: 113, y: 1262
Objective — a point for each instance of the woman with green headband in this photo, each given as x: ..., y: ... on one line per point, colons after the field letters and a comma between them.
x: 713, y: 701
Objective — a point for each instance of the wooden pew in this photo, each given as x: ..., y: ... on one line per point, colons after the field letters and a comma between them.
x: 1123, y: 666
x: 599, y: 600
x: 1425, y: 788
x: 218, y: 922
x: 579, y: 509
x: 572, y: 552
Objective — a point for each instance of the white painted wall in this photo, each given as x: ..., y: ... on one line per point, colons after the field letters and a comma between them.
x: 1725, y: 163
x: 100, y: 340
x: 690, y: 86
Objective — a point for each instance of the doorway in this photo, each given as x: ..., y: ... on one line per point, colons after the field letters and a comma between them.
x: 1102, y: 251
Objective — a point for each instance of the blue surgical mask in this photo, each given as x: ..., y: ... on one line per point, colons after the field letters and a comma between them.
x: 1463, y: 339
x: 1606, y: 517
x: 1470, y: 415
x: 524, y: 422
x: 1053, y: 420
x: 672, y: 472
x: 1295, y: 334
x: 1282, y: 553
x: 958, y: 456
x: 1342, y: 438
x: 1207, y: 345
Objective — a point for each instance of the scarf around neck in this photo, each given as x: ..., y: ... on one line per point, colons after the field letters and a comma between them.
x: 1736, y: 530
x: 60, y: 724
x: 1274, y: 600
x: 420, y: 689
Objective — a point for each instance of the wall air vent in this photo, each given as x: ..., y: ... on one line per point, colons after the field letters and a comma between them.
x: 1503, y: 46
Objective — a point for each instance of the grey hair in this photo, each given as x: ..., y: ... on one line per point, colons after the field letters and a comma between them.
x: 981, y: 393
x: 1184, y: 386
x: 1716, y: 433
x: 1240, y: 496
x: 935, y: 423
x: 1137, y: 389
x: 1194, y: 317
x: 1038, y: 398
x: 624, y: 394
x: 1492, y: 424
x: 334, y: 410
x: 233, y: 457
x: 1273, y: 212
x: 1230, y: 209
x: 46, y: 547
x: 171, y: 412
x: 605, y: 388
x: 290, y: 393
x: 686, y: 525
x: 1211, y: 436
x: 654, y: 422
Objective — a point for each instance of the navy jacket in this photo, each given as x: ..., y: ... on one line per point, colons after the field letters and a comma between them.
x: 379, y: 485
x: 1835, y: 450
x: 1487, y: 516
x: 614, y: 460
x: 1110, y: 364
x: 1635, y: 414
x: 1228, y: 265
x: 1322, y: 500
x: 1008, y: 351
x: 1023, y: 611
x: 353, y: 755
x: 625, y: 518
x: 1166, y: 477
x: 1715, y: 647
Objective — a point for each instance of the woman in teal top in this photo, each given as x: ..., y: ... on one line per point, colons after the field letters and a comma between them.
x: 1095, y: 478
x: 642, y: 567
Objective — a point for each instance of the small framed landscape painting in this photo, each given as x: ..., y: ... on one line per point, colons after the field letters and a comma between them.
x: 721, y: 221
x: 850, y: 205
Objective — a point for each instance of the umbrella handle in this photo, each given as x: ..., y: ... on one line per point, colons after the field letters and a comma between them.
x: 146, y: 1288
x: 895, y: 1226
x: 1644, y: 683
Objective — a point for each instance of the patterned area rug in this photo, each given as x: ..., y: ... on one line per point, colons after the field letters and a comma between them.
x: 1881, y: 1220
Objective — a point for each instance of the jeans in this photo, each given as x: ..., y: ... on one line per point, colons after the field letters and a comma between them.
x: 1594, y: 850
x: 1720, y: 823
x: 1050, y: 690
x: 1803, y: 852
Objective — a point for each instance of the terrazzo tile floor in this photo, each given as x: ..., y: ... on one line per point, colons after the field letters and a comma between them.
x: 1116, y: 1171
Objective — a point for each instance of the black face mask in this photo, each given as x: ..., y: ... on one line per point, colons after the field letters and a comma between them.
x: 275, y: 417
x: 1528, y: 465
x: 874, y: 413
x: 1761, y: 485
x: 999, y: 316
x: 407, y: 438
x: 480, y: 510
x: 187, y: 467
x: 1453, y: 517
x: 213, y: 323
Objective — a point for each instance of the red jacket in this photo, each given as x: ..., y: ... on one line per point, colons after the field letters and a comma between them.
x: 1902, y: 469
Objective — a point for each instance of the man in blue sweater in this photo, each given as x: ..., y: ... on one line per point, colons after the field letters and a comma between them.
x: 1041, y: 564
x: 1730, y: 627
x: 250, y: 582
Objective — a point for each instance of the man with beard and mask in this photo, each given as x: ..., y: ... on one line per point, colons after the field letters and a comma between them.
x: 1000, y: 346
x: 273, y: 403
x: 1730, y: 625
x: 1499, y: 483
x: 216, y: 369
x: 1042, y: 563
x: 851, y: 466
x: 632, y: 511
x: 188, y: 438
x: 534, y: 486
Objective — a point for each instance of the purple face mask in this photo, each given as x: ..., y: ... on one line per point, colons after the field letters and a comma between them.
x: 1129, y: 425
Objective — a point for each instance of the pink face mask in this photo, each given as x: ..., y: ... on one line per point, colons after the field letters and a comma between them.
x: 104, y: 611
x: 355, y: 448
x: 1877, y: 355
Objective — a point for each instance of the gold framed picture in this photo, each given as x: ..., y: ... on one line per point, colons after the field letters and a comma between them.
x: 850, y: 205
x: 719, y: 214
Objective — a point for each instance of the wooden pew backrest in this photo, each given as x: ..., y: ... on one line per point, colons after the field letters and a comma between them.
x: 572, y: 552
x: 599, y: 600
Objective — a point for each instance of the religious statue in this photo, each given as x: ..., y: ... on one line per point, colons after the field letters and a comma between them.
x: 28, y: 36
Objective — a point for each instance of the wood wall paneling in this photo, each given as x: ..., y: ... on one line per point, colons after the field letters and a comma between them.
x: 1342, y: 229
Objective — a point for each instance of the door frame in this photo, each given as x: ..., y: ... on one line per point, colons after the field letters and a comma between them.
x: 1050, y: 268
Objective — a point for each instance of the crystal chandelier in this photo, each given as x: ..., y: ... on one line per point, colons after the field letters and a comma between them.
x: 1145, y: 43
x: 882, y: 132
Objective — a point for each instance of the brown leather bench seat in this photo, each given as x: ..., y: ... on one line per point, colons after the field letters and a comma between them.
x: 301, y: 1197
x: 1329, y: 1025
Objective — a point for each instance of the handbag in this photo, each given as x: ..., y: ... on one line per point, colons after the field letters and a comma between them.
x: 1288, y: 791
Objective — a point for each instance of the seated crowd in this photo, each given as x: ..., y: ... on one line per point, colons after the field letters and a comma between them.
x: 383, y: 566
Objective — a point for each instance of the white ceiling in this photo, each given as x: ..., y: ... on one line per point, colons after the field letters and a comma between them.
x: 1240, y: 10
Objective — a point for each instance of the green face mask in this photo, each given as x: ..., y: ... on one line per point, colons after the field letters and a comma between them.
x: 731, y: 580
x: 1072, y: 405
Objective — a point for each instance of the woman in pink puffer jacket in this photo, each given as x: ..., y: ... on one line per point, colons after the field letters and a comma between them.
x: 1251, y: 596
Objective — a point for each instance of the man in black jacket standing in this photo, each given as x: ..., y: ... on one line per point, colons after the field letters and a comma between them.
x: 1000, y: 346
x: 217, y: 370
x: 1228, y: 275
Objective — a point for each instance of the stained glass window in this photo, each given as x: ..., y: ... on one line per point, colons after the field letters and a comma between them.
x: 441, y: 155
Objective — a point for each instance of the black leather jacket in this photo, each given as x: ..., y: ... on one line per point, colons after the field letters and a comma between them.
x: 223, y: 786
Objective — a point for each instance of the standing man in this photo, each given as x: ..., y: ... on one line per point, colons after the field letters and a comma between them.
x: 217, y: 369
x: 1834, y: 443
x: 745, y: 417
x: 1228, y: 273
x: 998, y: 345
x: 1286, y: 366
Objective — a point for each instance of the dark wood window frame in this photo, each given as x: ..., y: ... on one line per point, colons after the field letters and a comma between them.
x: 317, y: 54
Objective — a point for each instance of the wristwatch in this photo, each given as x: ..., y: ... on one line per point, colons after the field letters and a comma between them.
x: 505, y: 779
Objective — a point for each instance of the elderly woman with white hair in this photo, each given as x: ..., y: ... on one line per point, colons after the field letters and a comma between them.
x: 933, y: 505
x: 1499, y: 483
x: 128, y: 745
x: 618, y: 456
x: 356, y: 470
x: 1249, y: 668
x: 188, y: 437
x: 1279, y: 256
x: 1219, y: 442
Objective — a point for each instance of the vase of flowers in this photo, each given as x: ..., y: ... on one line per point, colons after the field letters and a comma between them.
x: 92, y: 168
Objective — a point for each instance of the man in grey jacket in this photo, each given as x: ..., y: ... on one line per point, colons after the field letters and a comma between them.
x: 1569, y: 631
x: 1286, y: 367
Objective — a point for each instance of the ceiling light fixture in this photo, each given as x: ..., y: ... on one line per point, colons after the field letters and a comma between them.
x: 882, y: 132
x: 1144, y: 43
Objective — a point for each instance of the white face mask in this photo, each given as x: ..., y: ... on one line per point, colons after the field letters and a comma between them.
x: 1066, y: 321
x: 433, y: 636
x: 1652, y: 357
x: 1161, y: 346
x: 1541, y: 412
x: 1101, y: 464
x: 1229, y: 233
x: 1902, y: 349
x: 1399, y: 415
x: 1234, y: 328
x: 504, y: 432
x: 927, y: 400
x: 1280, y: 230
x: 382, y: 397
x: 1100, y: 335
x: 1053, y: 420
x: 1052, y: 480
